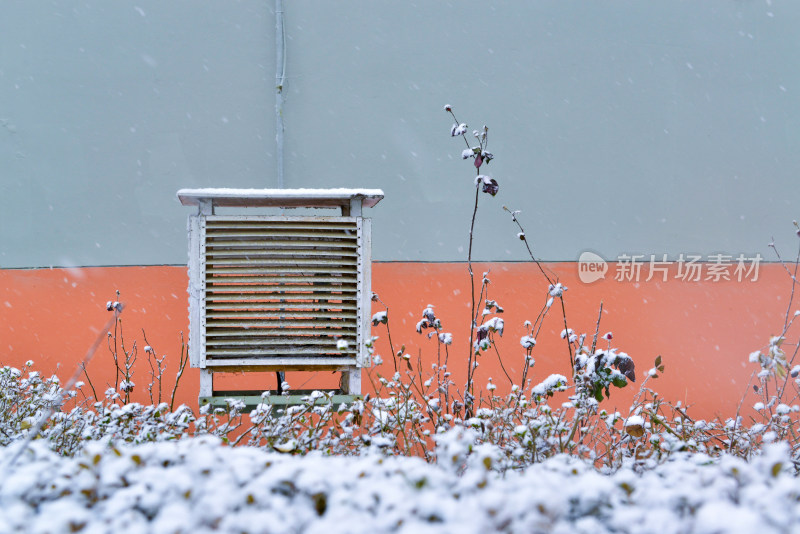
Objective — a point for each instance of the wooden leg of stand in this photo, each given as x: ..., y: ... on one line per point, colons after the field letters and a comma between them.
x: 206, y: 383
x: 351, y: 382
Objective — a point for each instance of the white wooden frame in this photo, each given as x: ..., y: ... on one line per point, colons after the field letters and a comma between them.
x: 351, y: 203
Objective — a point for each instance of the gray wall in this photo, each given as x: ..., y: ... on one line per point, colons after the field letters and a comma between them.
x: 617, y: 126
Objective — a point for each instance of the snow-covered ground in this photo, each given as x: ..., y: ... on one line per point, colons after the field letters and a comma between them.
x: 198, y: 485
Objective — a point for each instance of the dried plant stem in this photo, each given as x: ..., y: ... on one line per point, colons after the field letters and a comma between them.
x: 567, y: 337
x: 597, y: 327
x: 89, y: 380
x: 793, y: 276
x: 184, y: 359
x: 469, y: 393
x: 503, y: 367
x: 550, y: 281
x: 388, y: 331
x: 572, y: 431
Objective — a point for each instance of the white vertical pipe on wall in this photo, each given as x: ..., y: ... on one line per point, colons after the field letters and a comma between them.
x: 280, y: 76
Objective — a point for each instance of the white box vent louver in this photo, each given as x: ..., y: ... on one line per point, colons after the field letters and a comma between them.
x: 280, y: 287
x: 281, y: 293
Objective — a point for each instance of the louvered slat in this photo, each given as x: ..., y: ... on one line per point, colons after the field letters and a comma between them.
x: 252, y: 258
x: 287, y: 331
x: 277, y: 269
x: 279, y: 306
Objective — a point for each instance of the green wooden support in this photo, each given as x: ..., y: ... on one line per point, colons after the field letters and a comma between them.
x: 251, y: 399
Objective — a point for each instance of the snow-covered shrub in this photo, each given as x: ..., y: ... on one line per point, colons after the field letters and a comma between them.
x: 199, y: 485
x: 26, y: 398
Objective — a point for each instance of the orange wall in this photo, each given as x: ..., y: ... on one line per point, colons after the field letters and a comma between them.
x: 704, y: 330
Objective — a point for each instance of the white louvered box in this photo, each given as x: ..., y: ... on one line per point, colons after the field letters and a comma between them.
x: 279, y: 292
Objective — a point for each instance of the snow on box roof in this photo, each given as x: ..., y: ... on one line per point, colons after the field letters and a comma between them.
x: 312, y: 198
